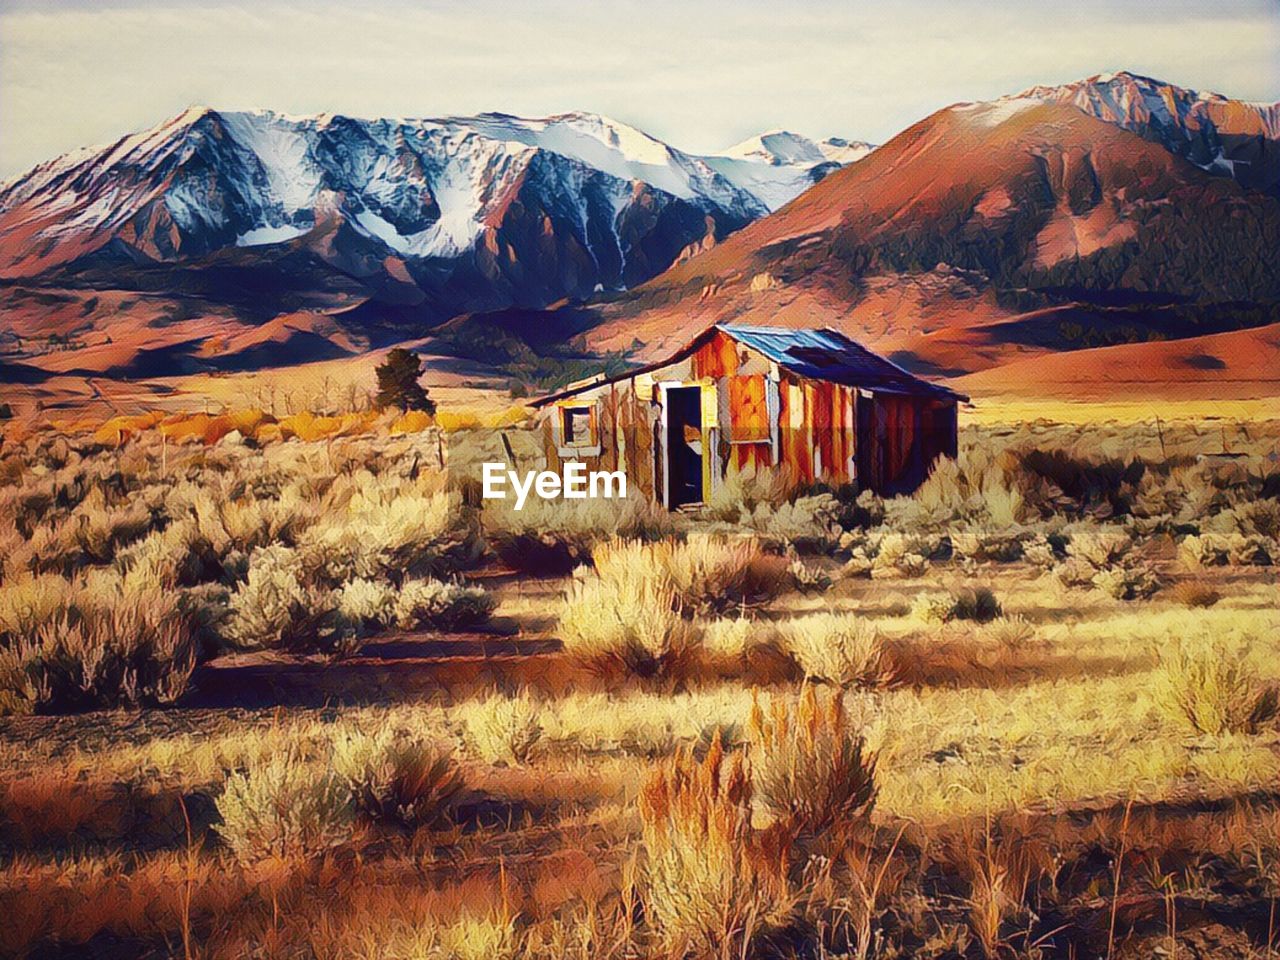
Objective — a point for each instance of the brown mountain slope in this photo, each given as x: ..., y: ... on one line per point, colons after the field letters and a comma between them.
x: 1220, y: 366
x: 975, y: 217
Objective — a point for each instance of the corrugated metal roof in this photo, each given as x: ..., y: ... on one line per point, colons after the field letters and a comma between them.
x: 817, y: 353
x: 826, y: 354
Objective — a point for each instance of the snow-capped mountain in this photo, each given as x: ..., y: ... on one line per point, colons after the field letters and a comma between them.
x: 481, y: 211
x: 1234, y: 138
x: 777, y: 166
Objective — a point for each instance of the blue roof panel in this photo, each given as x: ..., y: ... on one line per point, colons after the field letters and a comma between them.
x: 826, y: 354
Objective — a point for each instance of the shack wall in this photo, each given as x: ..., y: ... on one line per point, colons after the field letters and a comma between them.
x: 764, y: 415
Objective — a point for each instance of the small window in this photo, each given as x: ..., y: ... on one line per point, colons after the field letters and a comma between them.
x: 577, y: 427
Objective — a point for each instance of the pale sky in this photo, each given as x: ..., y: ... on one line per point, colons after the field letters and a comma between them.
x: 700, y: 75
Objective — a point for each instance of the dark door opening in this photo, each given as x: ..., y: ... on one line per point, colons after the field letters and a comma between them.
x: 684, y: 446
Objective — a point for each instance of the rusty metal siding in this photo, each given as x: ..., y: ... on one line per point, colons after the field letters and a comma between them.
x: 820, y: 427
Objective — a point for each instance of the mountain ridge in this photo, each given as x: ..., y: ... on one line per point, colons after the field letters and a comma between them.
x: 1110, y: 210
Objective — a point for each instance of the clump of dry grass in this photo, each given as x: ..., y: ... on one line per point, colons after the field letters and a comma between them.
x: 503, y: 729
x: 627, y: 620
x: 1010, y: 633
x: 630, y: 611
x: 1207, y: 688
x: 710, y: 881
x: 709, y: 574
x: 383, y: 527
x: 841, y: 649
x: 284, y: 807
x: 475, y: 936
x: 812, y: 773
x: 399, y: 779
x: 92, y: 644
x: 548, y: 537
x: 729, y: 640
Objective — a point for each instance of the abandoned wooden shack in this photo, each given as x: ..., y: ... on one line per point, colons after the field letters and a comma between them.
x: 749, y: 397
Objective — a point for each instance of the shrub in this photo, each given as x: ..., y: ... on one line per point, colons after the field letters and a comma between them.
x: 27, y: 603
x: 387, y: 529
x: 1214, y: 549
x: 274, y: 607
x: 841, y: 649
x: 444, y: 606
x: 1039, y: 552
x: 628, y: 620
x: 729, y: 639
x: 1011, y: 632
x: 96, y: 646
x: 1210, y: 690
x: 807, y: 523
x: 744, y: 491
x: 813, y: 775
x: 975, y: 603
x: 713, y: 575
x: 551, y: 537
x: 1194, y: 593
x: 399, y: 779
x: 282, y: 807
x: 898, y: 555
x: 1260, y: 518
x: 367, y: 602
x: 968, y: 603
x: 808, y: 579
x: 708, y: 574
x: 708, y: 875
x: 1100, y: 548
x: 980, y: 544
x: 1206, y: 551
x: 168, y: 558
x: 1127, y: 583
x: 503, y: 729
x: 1074, y: 572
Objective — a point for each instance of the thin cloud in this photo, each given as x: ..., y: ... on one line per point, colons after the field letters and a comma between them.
x: 700, y: 76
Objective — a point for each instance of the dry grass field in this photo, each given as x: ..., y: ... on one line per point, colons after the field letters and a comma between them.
x: 315, y: 700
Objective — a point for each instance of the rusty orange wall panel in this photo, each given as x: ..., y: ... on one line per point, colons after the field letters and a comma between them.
x: 748, y: 411
x: 716, y: 358
x: 901, y: 426
x: 841, y: 447
x: 790, y: 442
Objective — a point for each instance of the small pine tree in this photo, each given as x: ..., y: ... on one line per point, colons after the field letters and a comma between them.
x: 398, y: 384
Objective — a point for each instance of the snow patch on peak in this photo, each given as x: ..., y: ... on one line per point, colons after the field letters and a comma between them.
x: 777, y: 147
x: 778, y: 165
x: 995, y: 112
x: 841, y: 151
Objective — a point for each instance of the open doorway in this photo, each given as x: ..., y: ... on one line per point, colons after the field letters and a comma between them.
x: 684, y: 446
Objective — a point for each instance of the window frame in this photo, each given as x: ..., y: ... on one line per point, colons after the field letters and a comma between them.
x: 583, y: 416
